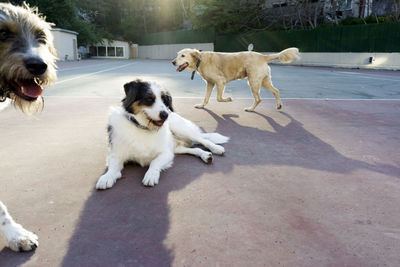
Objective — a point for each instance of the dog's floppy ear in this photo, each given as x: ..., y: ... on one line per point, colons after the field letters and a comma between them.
x: 196, y: 54
x: 132, y: 90
x: 167, y: 99
x: 130, y: 87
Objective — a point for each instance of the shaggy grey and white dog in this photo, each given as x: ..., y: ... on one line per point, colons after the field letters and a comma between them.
x: 27, y: 56
x: 27, y: 63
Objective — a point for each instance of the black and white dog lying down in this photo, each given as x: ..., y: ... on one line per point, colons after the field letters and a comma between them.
x: 146, y: 130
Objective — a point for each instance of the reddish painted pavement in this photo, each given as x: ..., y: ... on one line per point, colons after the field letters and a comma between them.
x: 316, y: 184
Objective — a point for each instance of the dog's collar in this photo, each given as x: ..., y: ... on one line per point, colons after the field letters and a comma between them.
x: 197, y: 66
x: 132, y: 119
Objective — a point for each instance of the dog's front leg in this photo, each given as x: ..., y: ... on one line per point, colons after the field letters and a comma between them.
x: 210, y: 87
x: 112, y: 174
x: 161, y: 162
x: 18, y: 238
x: 204, y: 155
x: 220, y: 92
x: 215, y: 149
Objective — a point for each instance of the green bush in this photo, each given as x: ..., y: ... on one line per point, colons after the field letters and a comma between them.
x: 351, y: 21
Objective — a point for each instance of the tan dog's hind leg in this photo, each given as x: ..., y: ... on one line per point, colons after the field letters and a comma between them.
x: 220, y: 92
x: 210, y: 87
x: 267, y: 84
x: 255, y: 90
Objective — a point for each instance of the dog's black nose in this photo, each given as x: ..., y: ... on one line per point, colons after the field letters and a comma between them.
x: 35, y: 66
x: 174, y: 62
x: 163, y: 115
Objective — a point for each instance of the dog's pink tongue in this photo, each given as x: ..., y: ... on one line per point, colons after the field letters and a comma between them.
x: 159, y: 123
x: 30, y: 88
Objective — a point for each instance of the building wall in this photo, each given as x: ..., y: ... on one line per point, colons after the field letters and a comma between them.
x: 65, y: 43
x: 324, y: 10
x: 384, y: 61
x: 385, y: 7
x: 361, y: 8
x: 168, y: 51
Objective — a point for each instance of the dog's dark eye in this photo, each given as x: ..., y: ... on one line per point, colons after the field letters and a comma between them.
x: 5, y: 34
x: 183, y: 55
x: 41, y: 37
x: 147, y: 101
x: 167, y: 100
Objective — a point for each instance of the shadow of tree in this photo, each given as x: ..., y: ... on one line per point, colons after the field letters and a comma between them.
x: 11, y: 258
x: 129, y: 223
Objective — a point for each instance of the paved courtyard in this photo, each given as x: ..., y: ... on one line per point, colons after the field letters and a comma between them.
x: 100, y: 78
x: 316, y: 184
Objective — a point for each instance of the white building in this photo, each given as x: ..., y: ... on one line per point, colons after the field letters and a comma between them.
x: 113, y: 49
x: 343, y: 8
x: 65, y: 42
x: 361, y: 8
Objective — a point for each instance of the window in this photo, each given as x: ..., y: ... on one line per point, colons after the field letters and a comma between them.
x: 93, y: 51
x: 120, y: 51
x: 111, y: 51
x: 101, y: 51
x: 281, y: 3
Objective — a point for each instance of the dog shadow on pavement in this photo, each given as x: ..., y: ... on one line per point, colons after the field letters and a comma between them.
x: 289, y: 145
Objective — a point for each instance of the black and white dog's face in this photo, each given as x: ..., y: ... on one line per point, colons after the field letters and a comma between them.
x: 149, y: 102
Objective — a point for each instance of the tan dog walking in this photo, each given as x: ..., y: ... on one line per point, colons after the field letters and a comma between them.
x: 220, y: 68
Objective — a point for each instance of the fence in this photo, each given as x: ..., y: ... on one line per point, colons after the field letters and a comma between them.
x: 354, y: 38
x: 384, y: 37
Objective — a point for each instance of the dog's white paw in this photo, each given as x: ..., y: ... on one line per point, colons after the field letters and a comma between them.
x: 207, y: 157
x: 229, y: 99
x: 251, y: 109
x: 151, y: 177
x: 279, y: 106
x: 107, y: 181
x: 20, y: 239
x: 218, y: 150
x: 199, y: 106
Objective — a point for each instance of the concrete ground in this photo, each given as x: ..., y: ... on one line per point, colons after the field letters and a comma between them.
x: 100, y: 78
x: 316, y: 184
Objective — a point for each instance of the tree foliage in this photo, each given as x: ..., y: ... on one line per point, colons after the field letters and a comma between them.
x: 233, y: 16
x: 131, y: 19
x: 227, y: 16
x: 64, y: 14
x: 117, y: 19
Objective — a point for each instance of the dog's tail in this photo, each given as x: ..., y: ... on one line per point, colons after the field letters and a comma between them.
x: 286, y: 56
x: 216, y: 138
